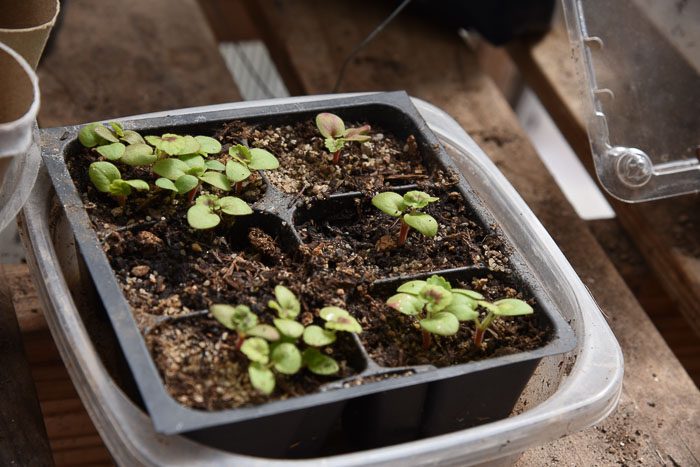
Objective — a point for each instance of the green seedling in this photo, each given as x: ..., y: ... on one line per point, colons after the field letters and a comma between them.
x: 171, y: 144
x: 247, y: 159
x: 107, y: 179
x: 110, y: 144
x: 333, y: 129
x: 440, y: 308
x: 275, y: 348
x: 498, y: 309
x: 244, y: 322
x: 183, y: 175
x: 205, y: 213
x: 406, y: 208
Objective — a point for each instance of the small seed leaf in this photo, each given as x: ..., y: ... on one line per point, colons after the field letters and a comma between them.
x: 208, y: 145
x: 319, y: 363
x: 234, y: 206
x: 489, y: 306
x: 418, y: 199
x: 256, y: 349
x: 468, y: 293
x: 439, y: 280
x: 216, y: 179
x: 243, y: 318
x: 411, y: 287
x: 138, y: 184
x: 223, y: 314
x: 442, y: 324
x: 422, y: 222
x: 186, y: 183
x: 132, y: 137
x: 406, y: 304
x: 119, y: 188
x: 104, y: 133
x: 166, y: 184
x: 112, y: 151
x: 117, y: 127
x: 211, y: 201
x: 192, y: 160
x: 330, y: 125
x: 286, y: 358
x: 316, y: 336
x: 358, y: 134
x: 168, y: 143
x: 214, y: 165
x: 102, y: 174
x: 390, y: 203
x: 236, y: 172
x: 261, y: 159
x: 87, y: 135
x: 240, y: 152
x: 191, y: 145
x: 262, y: 378
x: 437, y: 298
x: 334, y: 145
x: 512, y: 307
x: 339, y: 319
x: 201, y: 217
x: 287, y: 305
x: 463, y: 307
x: 289, y: 327
x: 264, y: 331
x: 170, y: 168
x: 138, y: 154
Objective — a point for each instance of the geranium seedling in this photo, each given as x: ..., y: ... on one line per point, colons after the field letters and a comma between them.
x: 110, y: 144
x: 498, y: 309
x: 406, y: 208
x: 333, y: 129
x: 183, y: 175
x: 275, y: 348
x: 247, y: 159
x: 107, y: 179
x: 205, y: 214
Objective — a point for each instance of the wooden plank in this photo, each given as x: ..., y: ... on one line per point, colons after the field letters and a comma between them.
x: 109, y: 60
x: 659, y: 401
x: 23, y: 438
x: 666, y: 232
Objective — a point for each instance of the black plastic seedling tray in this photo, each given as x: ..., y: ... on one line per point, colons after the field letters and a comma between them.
x: 415, y: 402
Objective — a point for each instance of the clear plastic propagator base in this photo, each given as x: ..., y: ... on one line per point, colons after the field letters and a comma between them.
x: 640, y: 64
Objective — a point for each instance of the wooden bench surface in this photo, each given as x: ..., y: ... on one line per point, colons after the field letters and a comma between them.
x: 659, y: 414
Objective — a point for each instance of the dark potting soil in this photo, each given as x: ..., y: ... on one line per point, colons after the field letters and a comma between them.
x: 166, y: 268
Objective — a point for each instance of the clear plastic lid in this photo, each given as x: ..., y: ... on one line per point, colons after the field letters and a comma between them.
x: 640, y: 61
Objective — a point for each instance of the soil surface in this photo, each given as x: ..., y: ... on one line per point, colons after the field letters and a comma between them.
x: 167, y: 270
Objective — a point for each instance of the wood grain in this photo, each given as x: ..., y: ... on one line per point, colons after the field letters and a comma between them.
x: 660, y: 408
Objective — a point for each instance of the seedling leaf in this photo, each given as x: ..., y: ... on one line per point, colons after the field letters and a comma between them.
x: 104, y: 133
x: 319, y: 363
x: 287, y: 305
x: 264, y: 331
x: 137, y: 184
x: 358, y: 134
x: 334, y: 145
x: 132, y: 137
x: 440, y: 281
x: 390, y: 203
x: 286, y: 358
x: 170, y: 168
x: 236, y: 172
x: 208, y: 145
x: 224, y: 314
x: 261, y: 159
x: 256, y: 349
x: 102, y: 174
x: 418, y: 199
x: 316, y: 336
x: 437, y: 298
x: 119, y: 188
x: 289, y: 327
x: 262, y: 378
x: 243, y: 318
x: 463, y: 307
x: 339, y: 319
x: 191, y: 145
x: 330, y: 125
x: 112, y: 151
x: 216, y: 179
x: 201, y: 217
x: 214, y: 165
x: 87, y: 135
x: 443, y: 324
x: 412, y: 287
x: 468, y: 293
x: 186, y: 183
x: 138, y: 154
x: 168, y: 143
x: 117, y: 127
x: 234, y: 206
x: 406, y: 304
x: 166, y: 184
x: 512, y: 307
x: 422, y: 222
